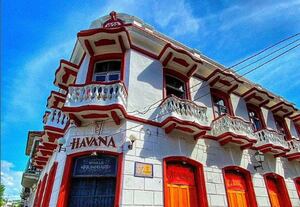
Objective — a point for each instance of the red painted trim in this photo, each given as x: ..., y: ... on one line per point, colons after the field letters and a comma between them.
x: 66, y: 183
x: 248, y: 180
x: 89, y: 48
x: 225, y: 97
x: 50, y: 182
x: 167, y: 59
x: 40, y: 198
x: 176, y: 49
x: 257, y: 90
x: 181, y: 61
x: 192, y: 71
x: 122, y: 45
x: 284, y: 196
x: 94, y: 116
x: 104, y: 42
x: 264, y: 103
x: 37, y: 193
x: 116, y: 118
x: 232, y: 89
x: 199, y: 175
x: 105, y: 57
x: 170, y: 128
x: 297, y: 184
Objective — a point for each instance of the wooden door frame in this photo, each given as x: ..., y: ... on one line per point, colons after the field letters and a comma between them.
x: 199, y: 178
x: 282, y: 188
x: 67, y: 176
x: 248, y: 180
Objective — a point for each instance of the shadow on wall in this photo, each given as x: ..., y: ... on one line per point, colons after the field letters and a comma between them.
x: 221, y: 156
x: 152, y: 75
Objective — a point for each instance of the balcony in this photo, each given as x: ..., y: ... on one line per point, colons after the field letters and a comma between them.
x: 55, y: 124
x: 294, y: 153
x: 97, y: 101
x: 30, y: 176
x: 270, y: 141
x: 183, y: 115
x: 227, y: 129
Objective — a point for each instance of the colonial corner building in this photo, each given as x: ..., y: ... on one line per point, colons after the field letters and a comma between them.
x: 139, y: 119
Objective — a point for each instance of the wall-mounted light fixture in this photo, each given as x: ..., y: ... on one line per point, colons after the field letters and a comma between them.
x: 61, y: 141
x: 132, y: 140
x: 260, y: 158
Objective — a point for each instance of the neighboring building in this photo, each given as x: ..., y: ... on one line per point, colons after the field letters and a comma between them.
x: 142, y: 120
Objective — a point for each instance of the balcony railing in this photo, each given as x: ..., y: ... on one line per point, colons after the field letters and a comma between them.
x: 183, y: 110
x: 56, y: 119
x: 30, y: 176
x: 273, y: 139
x: 239, y: 130
x: 294, y: 146
x: 96, y: 94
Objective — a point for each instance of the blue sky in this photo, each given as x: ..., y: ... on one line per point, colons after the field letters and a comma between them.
x: 36, y: 36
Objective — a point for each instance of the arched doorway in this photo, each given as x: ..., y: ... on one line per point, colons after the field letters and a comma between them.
x: 183, y: 183
x: 277, y: 191
x: 239, y: 187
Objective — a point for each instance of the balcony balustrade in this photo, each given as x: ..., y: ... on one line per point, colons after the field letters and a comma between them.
x: 271, y: 141
x: 184, y: 115
x: 228, y: 129
x: 97, y: 101
x: 56, y: 119
x: 294, y: 153
x: 30, y: 176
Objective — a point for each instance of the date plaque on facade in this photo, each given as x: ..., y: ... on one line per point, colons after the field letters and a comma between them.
x: 143, y: 170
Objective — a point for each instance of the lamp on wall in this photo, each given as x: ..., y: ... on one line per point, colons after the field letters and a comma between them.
x: 260, y: 158
x: 132, y: 140
x: 61, y: 141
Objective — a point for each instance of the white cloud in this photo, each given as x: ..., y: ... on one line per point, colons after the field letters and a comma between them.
x: 11, y: 179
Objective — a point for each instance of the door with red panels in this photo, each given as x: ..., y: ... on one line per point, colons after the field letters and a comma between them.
x: 181, y: 185
x: 237, y: 192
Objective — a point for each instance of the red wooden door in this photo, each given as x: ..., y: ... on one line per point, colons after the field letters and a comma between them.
x: 274, y: 193
x: 181, y: 186
x: 237, y: 192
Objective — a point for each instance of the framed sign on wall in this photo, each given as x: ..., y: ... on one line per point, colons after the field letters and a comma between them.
x: 143, y: 170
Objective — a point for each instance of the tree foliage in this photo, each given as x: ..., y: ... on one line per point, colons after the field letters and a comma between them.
x: 2, y: 189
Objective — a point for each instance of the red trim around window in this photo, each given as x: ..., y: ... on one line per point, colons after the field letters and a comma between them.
x: 199, y: 174
x: 106, y: 57
x: 284, y: 196
x: 41, y: 193
x: 282, y: 121
x: 50, y: 182
x: 297, y: 184
x: 258, y: 111
x: 66, y: 181
x: 183, y: 78
x: 226, y: 97
x: 248, y: 180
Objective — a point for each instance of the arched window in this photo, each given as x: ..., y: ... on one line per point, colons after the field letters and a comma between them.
x: 184, y: 183
x: 239, y: 187
x: 277, y: 191
x: 256, y: 117
x: 221, y: 103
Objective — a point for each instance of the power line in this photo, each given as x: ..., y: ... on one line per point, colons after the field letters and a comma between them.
x: 148, y: 108
x: 251, y: 70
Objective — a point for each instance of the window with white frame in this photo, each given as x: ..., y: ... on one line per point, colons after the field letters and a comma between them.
x: 106, y: 71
